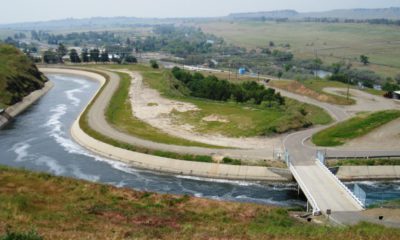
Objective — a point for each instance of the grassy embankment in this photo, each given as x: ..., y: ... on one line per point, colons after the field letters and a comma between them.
x: 18, y: 76
x: 119, y: 114
x: 234, y: 120
x: 63, y: 208
x: 353, y: 128
x: 314, y: 89
x: 123, y: 107
x: 363, y: 162
x: 391, y: 204
x: 334, y: 41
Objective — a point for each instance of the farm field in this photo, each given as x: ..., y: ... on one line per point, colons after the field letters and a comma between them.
x: 333, y: 41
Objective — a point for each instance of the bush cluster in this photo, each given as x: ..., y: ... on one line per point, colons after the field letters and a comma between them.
x: 211, y: 87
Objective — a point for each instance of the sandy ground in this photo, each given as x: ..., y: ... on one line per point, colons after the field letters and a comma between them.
x: 392, y: 215
x: 150, y: 107
x: 386, y: 137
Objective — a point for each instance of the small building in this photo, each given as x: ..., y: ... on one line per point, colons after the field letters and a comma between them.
x: 242, y: 71
x: 377, y: 87
x: 396, y: 95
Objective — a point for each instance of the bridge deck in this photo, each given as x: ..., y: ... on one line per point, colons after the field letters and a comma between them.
x: 325, y: 190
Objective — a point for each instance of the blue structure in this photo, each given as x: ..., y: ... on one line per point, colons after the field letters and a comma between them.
x: 242, y: 71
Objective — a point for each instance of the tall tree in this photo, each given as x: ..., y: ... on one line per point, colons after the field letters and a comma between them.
x: 61, y: 51
x: 85, y: 55
x: 50, y: 57
x: 104, y: 57
x: 73, y: 55
x: 364, y: 59
x: 94, y: 55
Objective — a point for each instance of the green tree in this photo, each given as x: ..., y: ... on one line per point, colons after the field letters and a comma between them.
x: 94, y: 55
x: 51, y: 57
x: 280, y: 74
x: 85, y: 55
x: 130, y: 59
x: 74, y: 56
x: 61, y: 50
x: 104, y: 57
x: 364, y: 59
x: 271, y: 44
x: 154, y: 64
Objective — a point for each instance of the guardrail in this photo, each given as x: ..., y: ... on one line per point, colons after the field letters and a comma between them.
x: 316, y: 209
x: 354, y: 197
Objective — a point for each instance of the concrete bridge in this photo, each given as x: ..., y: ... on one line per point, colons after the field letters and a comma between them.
x: 325, y: 193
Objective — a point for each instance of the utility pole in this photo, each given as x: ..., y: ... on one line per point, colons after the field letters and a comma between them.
x: 348, y: 87
x: 315, y: 70
x: 229, y: 70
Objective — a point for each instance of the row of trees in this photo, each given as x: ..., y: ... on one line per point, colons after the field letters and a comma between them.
x: 92, y: 55
x: 211, y: 87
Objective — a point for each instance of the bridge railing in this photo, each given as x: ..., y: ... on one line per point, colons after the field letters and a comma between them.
x: 309, y: 196
x: 337, y: 180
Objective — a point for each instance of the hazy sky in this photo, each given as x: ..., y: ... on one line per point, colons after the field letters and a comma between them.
x: 38, y: 10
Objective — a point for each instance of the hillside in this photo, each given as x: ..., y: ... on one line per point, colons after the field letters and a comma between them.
x: 359, y: 13
x: 18, y: 76
x: 63, y: 208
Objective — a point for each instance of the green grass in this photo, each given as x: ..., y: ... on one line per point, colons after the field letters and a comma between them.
x: 83, y: 123
x: 119, y: 114
x: 392, y: 204
x: 374, y: 92
x: 364, y: 162
x: 242, y: 120
x: 117, y: 107
x: 334, y: 41
x: 353, y: 128
x: 319, y: 85
x: 38, y: 204
x: 18, y: 76
x: 314, y: 89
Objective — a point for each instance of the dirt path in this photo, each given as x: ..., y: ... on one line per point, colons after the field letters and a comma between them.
x: 149, y: 106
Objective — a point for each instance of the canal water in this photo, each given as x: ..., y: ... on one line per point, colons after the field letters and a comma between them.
x: 39, y: 140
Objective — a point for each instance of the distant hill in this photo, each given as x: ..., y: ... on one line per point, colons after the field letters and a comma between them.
x: 360, y: 13
x: 86, y: 23
x: 104, y: 23
x: 19, y: 76
x: 270, y: 14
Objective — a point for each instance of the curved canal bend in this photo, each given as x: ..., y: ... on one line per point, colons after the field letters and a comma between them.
x: 39, y: 140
